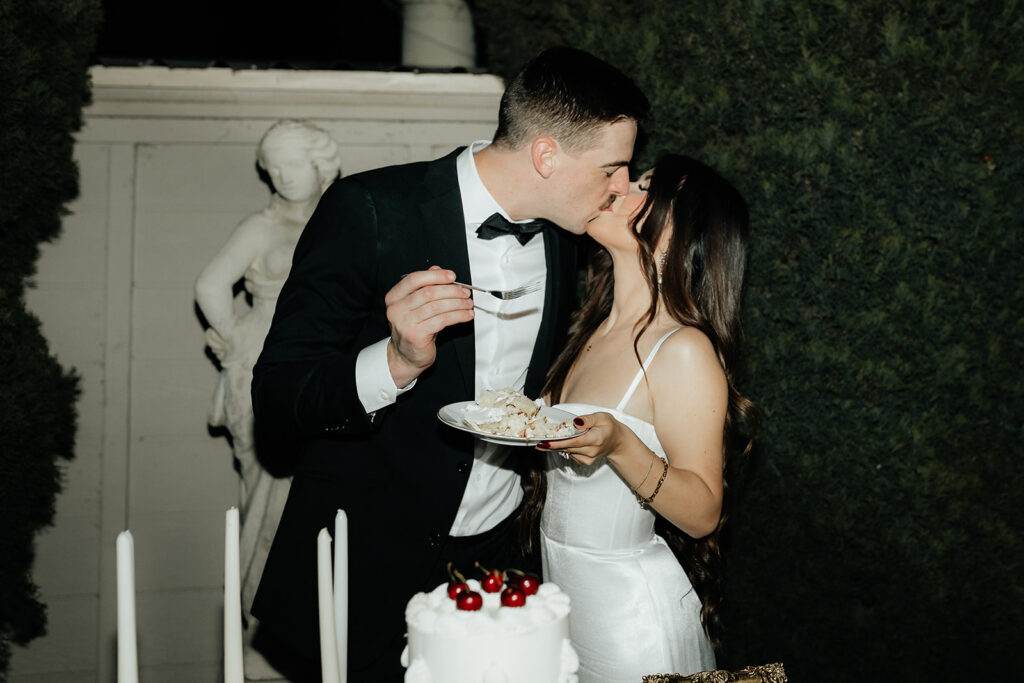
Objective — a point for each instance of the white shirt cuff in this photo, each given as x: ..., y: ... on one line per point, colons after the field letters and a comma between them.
x: 374, y: 383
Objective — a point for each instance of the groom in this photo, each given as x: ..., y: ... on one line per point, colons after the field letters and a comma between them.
x: 371, y: 337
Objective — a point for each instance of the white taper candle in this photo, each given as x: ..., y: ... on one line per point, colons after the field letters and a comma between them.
x: 232, y: 601
x: 325, y: 593
x: 127, y: 659
x: 341, y: 591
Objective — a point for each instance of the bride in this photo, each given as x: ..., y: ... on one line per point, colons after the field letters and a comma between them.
x: 649, y: 370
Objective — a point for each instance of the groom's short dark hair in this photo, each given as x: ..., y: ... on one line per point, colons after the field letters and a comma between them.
x: 566, y: 94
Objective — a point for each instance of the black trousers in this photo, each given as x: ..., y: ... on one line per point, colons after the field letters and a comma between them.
x: 497, y: 548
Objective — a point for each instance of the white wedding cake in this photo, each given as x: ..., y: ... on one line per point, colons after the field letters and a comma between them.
x: 489, y: 642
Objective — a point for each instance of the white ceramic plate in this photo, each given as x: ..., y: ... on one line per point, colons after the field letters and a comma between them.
x: 452, y: 415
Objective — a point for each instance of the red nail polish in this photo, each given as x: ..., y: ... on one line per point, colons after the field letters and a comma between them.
x: 545, y: 444
x: 578, y: 421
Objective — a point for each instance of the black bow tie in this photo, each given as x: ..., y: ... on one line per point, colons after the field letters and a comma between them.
x: 497, y: 225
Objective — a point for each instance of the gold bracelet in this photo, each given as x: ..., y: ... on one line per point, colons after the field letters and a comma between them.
x: 649, y: 468
x: 645, y: 503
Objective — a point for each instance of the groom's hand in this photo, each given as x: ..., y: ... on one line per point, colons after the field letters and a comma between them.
x: 418, y: 307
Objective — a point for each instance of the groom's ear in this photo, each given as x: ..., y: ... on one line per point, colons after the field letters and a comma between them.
x: 542, y: 153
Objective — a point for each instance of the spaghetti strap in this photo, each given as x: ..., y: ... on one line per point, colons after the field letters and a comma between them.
x: 640, y: 373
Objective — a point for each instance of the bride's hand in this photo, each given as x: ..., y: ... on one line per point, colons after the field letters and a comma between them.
x: 603, y: 435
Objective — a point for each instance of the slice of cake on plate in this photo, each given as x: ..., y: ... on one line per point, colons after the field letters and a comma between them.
x: 507, y: 412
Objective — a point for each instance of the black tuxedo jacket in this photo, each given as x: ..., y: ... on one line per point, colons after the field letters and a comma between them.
x: 399, y: 474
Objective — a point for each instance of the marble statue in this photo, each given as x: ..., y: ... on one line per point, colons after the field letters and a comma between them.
x: 301, y: 160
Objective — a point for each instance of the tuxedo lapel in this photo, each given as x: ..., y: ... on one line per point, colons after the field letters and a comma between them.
x: 561, y: 278
x: 444, y: 228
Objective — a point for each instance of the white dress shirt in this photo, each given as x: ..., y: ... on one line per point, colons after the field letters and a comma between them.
x: 504, y: 336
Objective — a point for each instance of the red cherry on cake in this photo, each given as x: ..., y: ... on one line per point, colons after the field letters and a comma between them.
x: 529, y: 583
x: 492, y: 581
x: 456, y: 583
x: 468, y: 601
x: 513, y: 597
x: 456, y: 587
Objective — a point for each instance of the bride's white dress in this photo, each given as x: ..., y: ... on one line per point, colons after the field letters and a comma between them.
x: 634, y: 611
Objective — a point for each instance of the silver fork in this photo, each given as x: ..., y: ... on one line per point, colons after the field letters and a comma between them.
x: 507, y: 294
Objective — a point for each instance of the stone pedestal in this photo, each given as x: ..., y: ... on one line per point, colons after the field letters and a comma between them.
x: 437, y: 33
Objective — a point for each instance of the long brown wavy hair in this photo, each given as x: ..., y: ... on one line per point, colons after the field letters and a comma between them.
x: 701, y: 286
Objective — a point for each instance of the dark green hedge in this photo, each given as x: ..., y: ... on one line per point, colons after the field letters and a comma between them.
x: 44, y: 52
x: 878, y: 534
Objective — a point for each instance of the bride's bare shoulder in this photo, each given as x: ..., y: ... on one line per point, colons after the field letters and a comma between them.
x: 689, y: 353
x: 688, y: 339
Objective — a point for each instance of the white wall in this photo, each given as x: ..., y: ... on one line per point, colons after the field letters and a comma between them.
x: 167, y: 171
